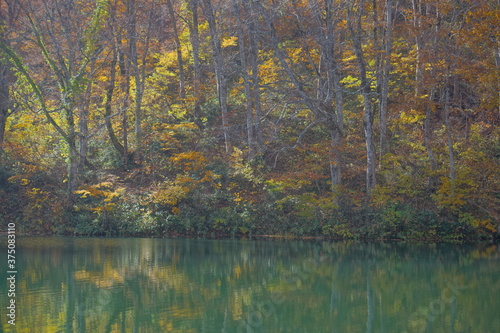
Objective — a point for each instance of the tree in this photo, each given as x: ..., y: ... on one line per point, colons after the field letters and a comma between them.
x: 8, y: 12
x: 354, y: 21
x: 69, y: 66
x: 325, y: 100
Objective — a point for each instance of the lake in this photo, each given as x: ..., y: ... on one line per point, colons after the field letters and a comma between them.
x: 179, y: 285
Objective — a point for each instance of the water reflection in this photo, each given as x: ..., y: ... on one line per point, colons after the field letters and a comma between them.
x: 162, y: 285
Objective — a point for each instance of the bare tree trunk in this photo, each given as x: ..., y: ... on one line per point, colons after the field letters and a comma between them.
x: 138, y: 72
x: 220, y: 72
x: 497, y: 63
x: 124, y: 65
x: 4, y: 84
x: 428, y: 145
x: 4, y: 100
x: 384, y: 84
x: 73, y: 163
x: 247, y: 84
x: 180, y: 60
x: 195, y: 43
x: 108, y: 106
x: 366, y: 93
x: 125, y: 87
x: 83, y: 135
x: 417, y: 24
x: 254, y: 65
x: 449, y: 136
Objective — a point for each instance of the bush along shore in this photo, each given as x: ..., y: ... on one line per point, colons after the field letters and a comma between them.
x: 122, y: 208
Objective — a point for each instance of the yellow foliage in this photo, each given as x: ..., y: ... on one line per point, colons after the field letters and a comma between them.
x: 269, y: 71
x: 454, y: 194
x: 191, y: 160
x: 168, y: 133
x: 171, y: 193
x: 192, y: 163
x: 229, y: 41
x: 242, y: 168
x: 411, y: 117
x: 477, y: 223
x: 103, y: 191
x: 486, y: 224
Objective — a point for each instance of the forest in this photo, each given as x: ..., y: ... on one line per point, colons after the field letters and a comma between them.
x: 343, y: 119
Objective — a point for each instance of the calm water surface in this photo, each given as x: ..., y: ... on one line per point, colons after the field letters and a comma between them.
x: 165, y: 285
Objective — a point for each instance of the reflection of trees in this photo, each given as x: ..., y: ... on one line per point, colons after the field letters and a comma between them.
x: 152, y: 285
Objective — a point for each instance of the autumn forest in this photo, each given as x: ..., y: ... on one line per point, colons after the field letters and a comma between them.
x: 345, y: 119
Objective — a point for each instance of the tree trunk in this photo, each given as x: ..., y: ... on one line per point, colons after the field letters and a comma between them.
x: 5, y: 77
x: 367, y: 102
x: 178, y: 45
x: 253, y: 57
x: 384, y: 84
x: 428, y: 146
x: 417, y: 24
x: 4, y: 101
x: 195, y: 43
x: 73, y: 162
x: 124, y: 65
x: 220, y: 72
x: 247, y: 84
x: 449, y: 136
x: 83, y: 137
x: 108, y: 107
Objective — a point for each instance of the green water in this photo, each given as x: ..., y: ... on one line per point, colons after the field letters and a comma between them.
x: 164, y: 285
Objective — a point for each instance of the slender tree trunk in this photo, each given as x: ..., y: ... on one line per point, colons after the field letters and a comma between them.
x: 384, y: 84
x: 370, y: 145
x: 178, y: 49
x: 417, y: 24
x: 368, y: 110
x: 449, y: 136
x: 335, y: 86
x: 428, y: 145
x: 4, y: 101
x: 83, y: 137
x: 124, y: 65
x: 108, y: 106
x: 84, y: 110
x: 195, y: 43
x: 337, y: 135
x: 74, y: 156
x: 246, y: 83
x: 138, y: 74
x: 5, y: 76
x: 73, y: 162
x: 254, y: 65
x: 125, y: 136
x: 497, y: 63
x: 220, y: 72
